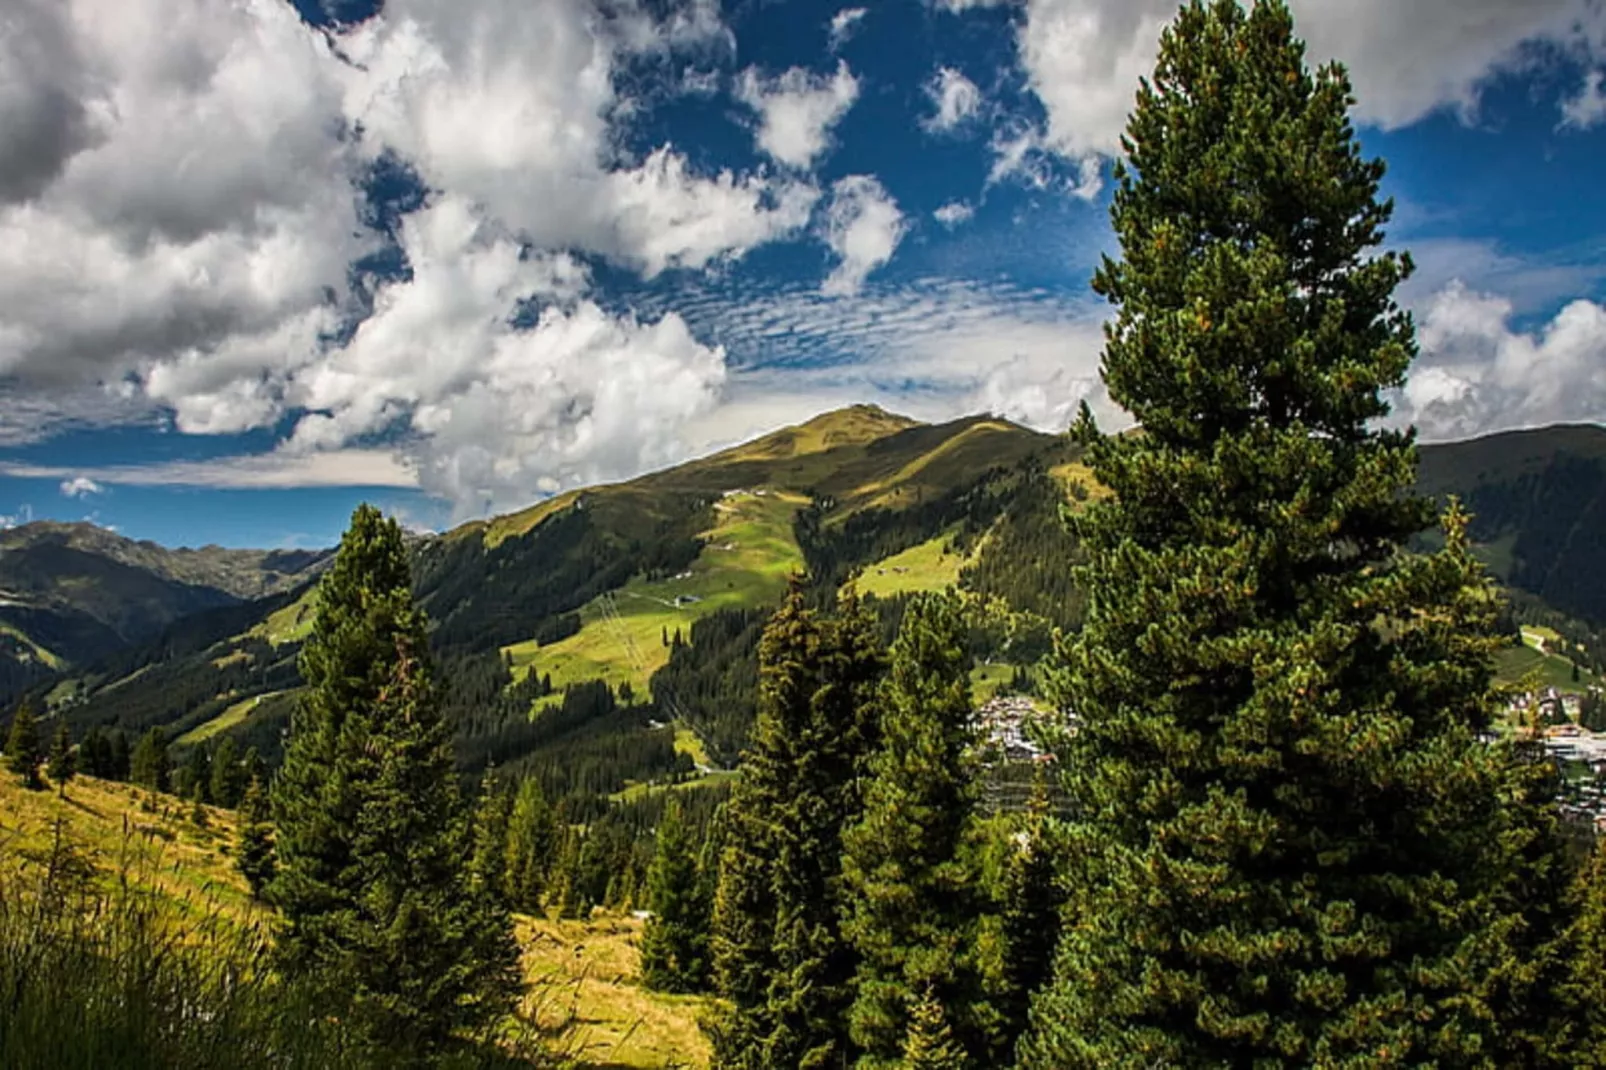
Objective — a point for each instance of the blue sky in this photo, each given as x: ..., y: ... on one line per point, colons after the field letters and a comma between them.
x: 260, y: 261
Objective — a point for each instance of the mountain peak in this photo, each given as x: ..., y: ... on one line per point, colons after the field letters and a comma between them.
x: 854, y: 425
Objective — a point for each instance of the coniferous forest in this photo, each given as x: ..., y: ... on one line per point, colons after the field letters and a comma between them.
x: 1267, y: 822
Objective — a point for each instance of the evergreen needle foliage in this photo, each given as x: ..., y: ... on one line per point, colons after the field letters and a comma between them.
x: 1287, y: 835
x: 23, y: 750
x: 913, y: 902
x: 534, y: 838
x: 253, y: 851
x: 371, y: 835
x: 674, y: 944
x: 780, y: 957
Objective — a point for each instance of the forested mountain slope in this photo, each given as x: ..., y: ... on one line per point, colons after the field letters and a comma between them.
x: 624, y: 617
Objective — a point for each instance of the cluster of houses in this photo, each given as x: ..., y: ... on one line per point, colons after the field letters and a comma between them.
x: 1001, y: 726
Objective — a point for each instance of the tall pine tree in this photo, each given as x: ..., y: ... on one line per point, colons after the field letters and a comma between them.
x: 674, y: 944
x: 1031, y: 904
x: 253, y: 847
x: 534, y: 838
x: 150, y: 766
x: 372, y: 837
x: 1282, y: 811
x: 913, y: 901
x: 62, y: 765
x: 780, y: 958
x: 23, y: 749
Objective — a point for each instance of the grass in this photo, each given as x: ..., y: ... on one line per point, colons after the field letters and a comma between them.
x: 227, y: 719
x: 46, y: 657
x: 1514, y: 663
x: 613, y: 1021
x: 291, y: 623
x: 931, y: 566
x: 688, y: 743
x: 987, y: 680
x: 637, y: 790
x: 746, y: 560
x: 118, y: 825
x: 583, y: 973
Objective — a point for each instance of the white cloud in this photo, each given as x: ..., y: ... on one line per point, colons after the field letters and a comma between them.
x: 517, y: 115
x: 490, y: 413
x: 198, y: 175
x: 1477, y: 374
x: 266, y: 471
x: 863, y: 227
x: 956, y: 97
x: 81, y: 487
x: 22, y: 516
x: 844, y: 23
x: 960, y: 6
x: 797, y: 110
x: 1083, y: 58
x: 953, y: 213
x: 1588, y: 106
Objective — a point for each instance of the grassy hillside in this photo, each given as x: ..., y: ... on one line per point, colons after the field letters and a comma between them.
x: 583, y: 975
x: 746, y: 558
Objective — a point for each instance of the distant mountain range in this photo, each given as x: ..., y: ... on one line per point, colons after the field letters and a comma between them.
x: 594, y: 584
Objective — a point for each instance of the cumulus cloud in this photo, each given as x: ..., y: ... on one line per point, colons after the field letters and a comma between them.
x: 959, y: 7
x: 199, y: 176
x: 863, y: 227
x: 492, y: 410
x: 22, y: 516
x: 953, y: 213
x: 81, y: 487
x: 1083, y: 58
x: 202, y: 165
x: 956, y: 98
x: 1588, y: 106
x: 844, y: 23
x: 797, y: 110
x: 1477, y: 373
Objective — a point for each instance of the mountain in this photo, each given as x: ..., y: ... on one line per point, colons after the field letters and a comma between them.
x: 625, y: 616
x: 1538, y: 500
x: 73, y: 593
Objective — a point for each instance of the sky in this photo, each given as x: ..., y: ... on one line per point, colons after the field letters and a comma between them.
x: 262, y: 260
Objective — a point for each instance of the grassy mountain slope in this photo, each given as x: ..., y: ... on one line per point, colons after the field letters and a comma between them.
x: 585, y: 974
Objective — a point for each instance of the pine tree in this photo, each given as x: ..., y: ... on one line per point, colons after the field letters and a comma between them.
x: 929, y: 1042
x: 150, y: 767
x: 195, y: 778
x: 1585, y: 1039
x: 62, y: 764
x: 674, y: 944
x: 1283, y: 814
x: 229, y: 776
x: 120, y: 765
x: 253, y: 849
x: 570, y: 894
x: 1032, y: 902
x: 912, y: 901
x: 533, y: 841
x: 23, y: 751
x: 371, y: 835
x: 488, y: 867
x: 780, y: 958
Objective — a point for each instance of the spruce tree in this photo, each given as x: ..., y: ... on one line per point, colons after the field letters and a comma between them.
x: 534, y: 838
x: 912, y: 900
x: 1581, y: 997
x: 1282, y: 810
x: 195, y: 778
x: 23, y: 750
x: 780, y: 958
x: 253, y: 848
x: 488, y: 867
x: 150, y: 766
x: 62, y: 765
x: 674, y: 944
x: 120, y: 763
x: 372, y: 837
x: 929, y: 1043
x: 229, y: 776
x: 1031, y: 904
